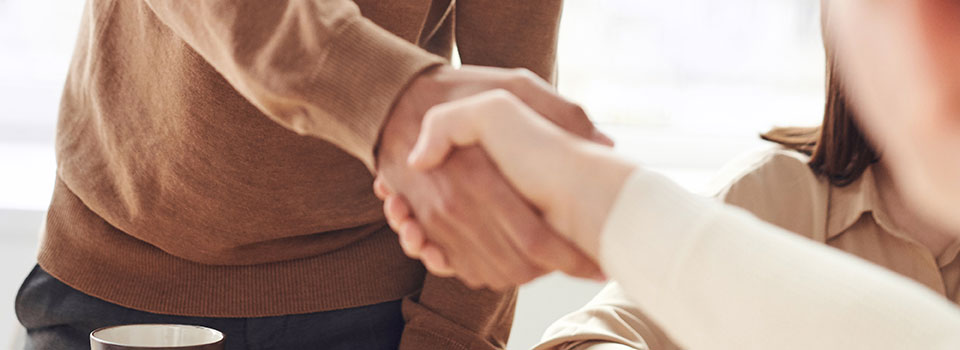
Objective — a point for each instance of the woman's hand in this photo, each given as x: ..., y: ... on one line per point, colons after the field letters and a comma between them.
x: 571, y: 181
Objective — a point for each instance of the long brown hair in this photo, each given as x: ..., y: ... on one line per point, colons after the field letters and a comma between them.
x: 837, y: 149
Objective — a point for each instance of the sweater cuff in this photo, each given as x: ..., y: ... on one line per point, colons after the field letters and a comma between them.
x: 425, y: 329
x: 365, y: 70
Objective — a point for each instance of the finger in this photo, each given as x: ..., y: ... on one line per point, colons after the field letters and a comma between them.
x: 601, y: 138
x: 470, y: 257
x: 447, y: 125
x: 412, y: 238
x: 544, y: 99
x: 380, y: 188
x: 440, y: 262
x: 463, y: 123
x: 434, y: 143
x: 534, y: 239
x: 435, y: 261
x: 540, y: 95
x: 489, y: 254
x: 436, y: 257
x: 548, y: 248
x: 396, y: 210
x: 550, y: 251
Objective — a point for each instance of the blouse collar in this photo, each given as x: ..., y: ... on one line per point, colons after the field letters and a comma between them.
x: 849, y: 203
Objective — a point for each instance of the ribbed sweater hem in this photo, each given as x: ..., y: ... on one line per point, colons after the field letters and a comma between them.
x: 85, y: 252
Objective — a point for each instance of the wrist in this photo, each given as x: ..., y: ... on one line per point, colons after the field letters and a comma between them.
x: 402, y: 125
x: 601, y: 176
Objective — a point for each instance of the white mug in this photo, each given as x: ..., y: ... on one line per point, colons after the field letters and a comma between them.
x: 156, y: 337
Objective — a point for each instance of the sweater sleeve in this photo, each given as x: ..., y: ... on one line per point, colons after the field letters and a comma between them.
x: 507, y: 34
x: 510, y: 34
x: 317, y: 67
x: 448, y: 315
x: 609, y: 321
x: 716, y: 277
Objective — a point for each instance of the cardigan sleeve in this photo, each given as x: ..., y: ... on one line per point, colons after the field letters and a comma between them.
x: 716, y: 277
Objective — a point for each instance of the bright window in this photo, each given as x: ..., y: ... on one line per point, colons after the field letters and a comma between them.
x: 685, y: 85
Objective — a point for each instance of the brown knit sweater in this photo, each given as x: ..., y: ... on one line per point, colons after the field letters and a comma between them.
x: 213, y: 156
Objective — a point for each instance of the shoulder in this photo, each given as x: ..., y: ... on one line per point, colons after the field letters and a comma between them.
x: 776, y: 185
x: 609, y: 318
x: 769, y: 166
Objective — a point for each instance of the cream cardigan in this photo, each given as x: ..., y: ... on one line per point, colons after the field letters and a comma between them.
x: 715, y: 277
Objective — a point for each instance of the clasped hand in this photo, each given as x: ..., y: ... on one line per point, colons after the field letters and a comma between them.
x: 493, y: 192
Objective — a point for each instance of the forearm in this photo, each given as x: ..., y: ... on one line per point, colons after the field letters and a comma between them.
x: 600, y: 176
x: 701, y: 269
x: 317, y: 67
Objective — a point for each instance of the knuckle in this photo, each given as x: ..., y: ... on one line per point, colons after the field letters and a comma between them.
x: 497, y: 100
x: 435, y: 113
x: 431, y: 115
x: 503, y: 99
x: 499, y: 95
x: 522, y: 77
x: 524, y: 74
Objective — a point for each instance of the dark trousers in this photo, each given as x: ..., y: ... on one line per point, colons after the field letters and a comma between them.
x: 58, y: 317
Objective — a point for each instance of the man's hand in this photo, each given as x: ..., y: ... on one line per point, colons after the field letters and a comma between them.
x: 492, y: 236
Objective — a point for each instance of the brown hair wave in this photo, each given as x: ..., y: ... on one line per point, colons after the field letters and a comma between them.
x: 838, y: 150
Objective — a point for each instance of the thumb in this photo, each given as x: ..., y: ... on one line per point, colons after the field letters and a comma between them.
x: 455, y: 123
x: 435, y: 140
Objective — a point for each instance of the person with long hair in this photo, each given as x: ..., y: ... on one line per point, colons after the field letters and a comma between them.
x: 825, y: 183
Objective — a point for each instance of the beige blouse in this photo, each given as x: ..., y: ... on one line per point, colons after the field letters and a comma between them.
x: 777, y: 186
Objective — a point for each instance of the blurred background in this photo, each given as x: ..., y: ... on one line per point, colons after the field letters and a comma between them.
x: 683, y: 86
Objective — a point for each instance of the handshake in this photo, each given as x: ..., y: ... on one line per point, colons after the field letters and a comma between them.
x: 489, y: 176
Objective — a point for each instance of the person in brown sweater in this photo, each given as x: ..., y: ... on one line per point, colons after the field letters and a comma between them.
x: 215, y: 160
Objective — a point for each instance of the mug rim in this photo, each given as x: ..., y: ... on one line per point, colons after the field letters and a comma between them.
x: 107, y: 342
